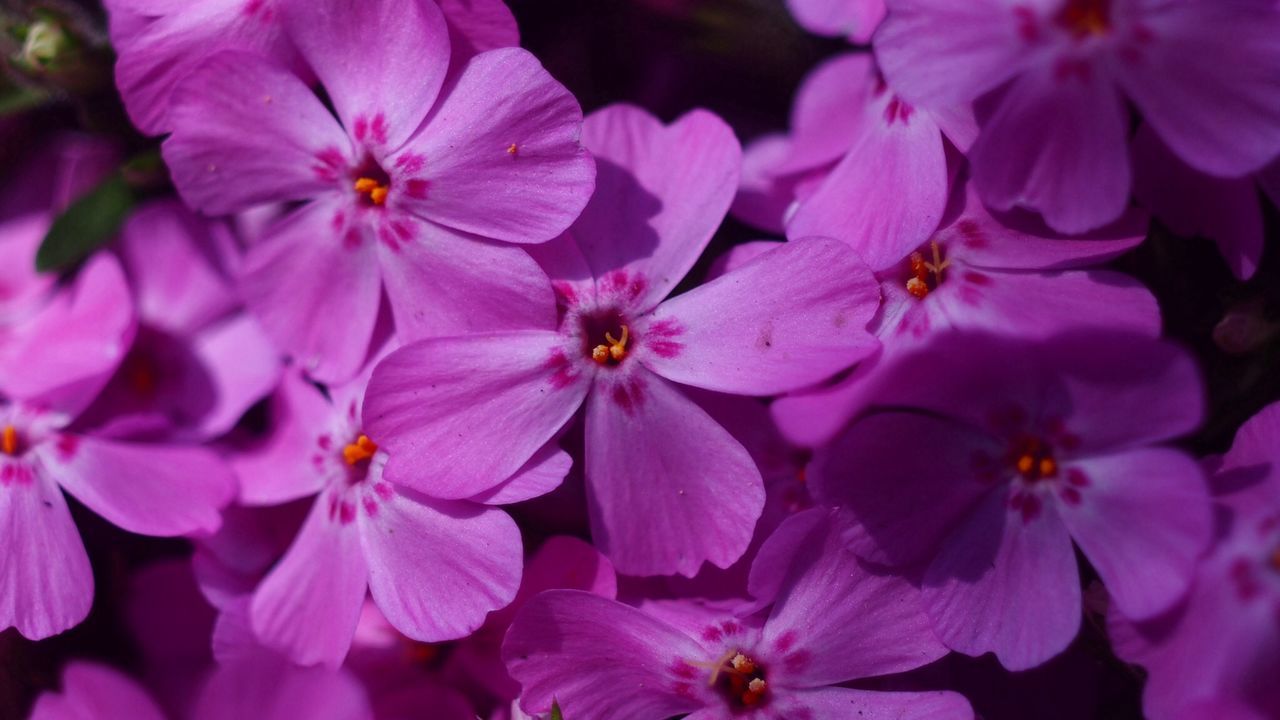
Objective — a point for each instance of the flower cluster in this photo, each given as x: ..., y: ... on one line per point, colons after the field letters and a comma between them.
x: 456, y: 410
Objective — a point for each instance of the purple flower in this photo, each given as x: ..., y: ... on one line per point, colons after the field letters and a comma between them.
x: 668, y: 486
x: 831, y: 621
x: 1007, y: 275
x: 406, y: 187
x: 1217, y: 654
x: 1020, y: 450
x: 198, y: 362
x: 851, y: 19
x: 1053, y: 76
x: 434, y: 567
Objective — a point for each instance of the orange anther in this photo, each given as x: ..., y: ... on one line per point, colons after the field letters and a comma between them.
x: 366, y: 185
x: 1026, y: 464
x: 917, y: 287
x: 512, y: 149
x: 376, y: 191
x: 613, y: 348
x: 1048, y: 468
x: 9, y: 440
x: 362, y: 449
x: 378, y: 195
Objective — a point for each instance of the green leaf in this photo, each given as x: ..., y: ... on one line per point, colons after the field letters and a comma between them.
x: 555, y: 711
x: 17, y: 98
x: 86, y: 225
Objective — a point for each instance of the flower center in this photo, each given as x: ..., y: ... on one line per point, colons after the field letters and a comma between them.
x: 1085, y: 18
x: 606, y: 337
x: 926, y: 276
x: 372, y: 184
x: 1033, y: 459
x: 359, y: 451
x: 739, y: 678
x: 613, y: 350
x: 9, y: 441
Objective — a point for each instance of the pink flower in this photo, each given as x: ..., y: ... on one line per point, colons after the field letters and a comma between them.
x: 831, y: 621
x: 987, y: 478
x: 1053, y: 75
x: 1217, y: 653
x: 406, y: 187
x: 668, y: 487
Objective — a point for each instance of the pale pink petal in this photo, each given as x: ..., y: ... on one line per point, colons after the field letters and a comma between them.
x: 246, y: 131
x: 940, y: 52
x: 46, y: 584
x: 1006, y: 585
x: 1222, y: 117
x: 1143, y: 521
x: 268, y: 688
x: 476, y: 26
x: 854, y: 19
x: 763, y: 200
x: 789, y: 318
x: 315, y: 293
x: 501, y: 153
x: 437, y: 567
x: 1056, y: 144
x: 439, y: 284
x: 669, y: 487
x: 661, y: 192
x: 243, y: 366
x: 829, y: 114
x: 382, y: 62
x: 1227, y: 211
x: 739, y: 255
x: 908, y: 497
x: 460, y: 415
x: 540, y: 475
x: 274, y: 467
x: 63, y: 355
x: 21, y: 287
x: 96, y: 692
x: 848, y: 621
x: 888, y: 194
x: 565, y: 646
x: 147, y: 489
x: 307, y: 607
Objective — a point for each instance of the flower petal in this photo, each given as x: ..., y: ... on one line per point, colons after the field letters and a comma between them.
x: 46, y: 584
x: 540, y: 475
x: 599, y: 658
x: 308, y: 605
x: 438, y: 567
x: 668, y: 486
x: 247, y: 131
x: 788, y: 318
x: 381, y: 61
x: 460, y: 415
x: 315, y: 294
x: 91, y: 691
x: 265, y: 687
x: 243, y: 366
x: 661, y: 192
x: 476, y: 26
x: 1143, y: 521
x: 854, y: 19
x: 829, y: 114
x: 273, y: 468
x: 837, y: 703
x: 501, y: 153
x: 160, y: 490
x: 1004, y: 585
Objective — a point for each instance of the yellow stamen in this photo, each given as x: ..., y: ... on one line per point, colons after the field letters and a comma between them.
x: 376, y: 191
x: 615, y: 349
x: 9, y: 440
x: 362, y: 449
x: 743, y: 664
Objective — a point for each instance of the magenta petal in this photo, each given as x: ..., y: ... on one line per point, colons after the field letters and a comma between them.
x: 46, y: 584
x: 64, y: 354
x: 268, y: 688
x: 837, y: 703
x: 598, y: 658
x: 669, y: 487
x: 308, y: 606
x: 158, y: 490
x: 1143, y: 521
x: 243, y: 366
x: 502, y: 153
x: 1222, y: 117
x: 540, y: 475
x: 906, y: 478
x: 476, y: 26
x: 888, y: 194
x: 850, y: 622
x: 1056, y: 143
x: 438, y: 567
x: 440, y: 283
x: 1006, y: 585
x: 1227, y: 211
x: 828, y: 115
x: 460, y: 415
x: 661, y: 192
x: 96, y: 692
x: 854, y: 19
x: 315, y: 294
x: 246, y: 131
x: 21, y: 287
x: 762, y: 200
x: 381, y: 61
x: 273, y: 468
x: 940, y: 52
x: 788, y: 318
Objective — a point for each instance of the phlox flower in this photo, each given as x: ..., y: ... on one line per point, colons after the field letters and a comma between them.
x: 668, y: 487
x: 987, y: 479
x: 1052, y: 78
x: 1217, y: 653
x: 406, y: 188
x: 830, y: 621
